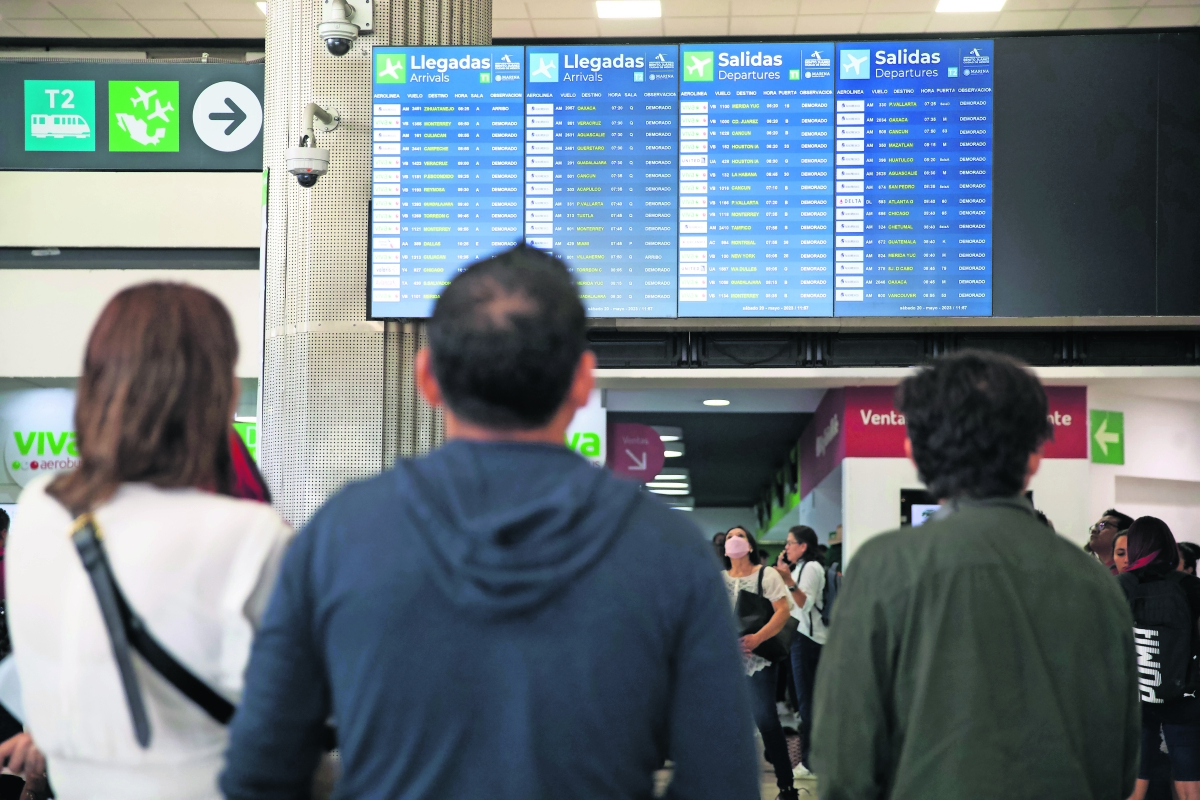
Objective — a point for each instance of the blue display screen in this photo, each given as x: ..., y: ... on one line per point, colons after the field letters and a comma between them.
x: 756, y: 180
x: 698, y: 180
x: 914, y: 179
x: 447, y: 128
x: 600, y: 171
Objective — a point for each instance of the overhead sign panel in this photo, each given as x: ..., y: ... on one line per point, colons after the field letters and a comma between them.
x: 756, y: 181
x: 695, y: 180
x: 143, y: 116
x: 914, y: 179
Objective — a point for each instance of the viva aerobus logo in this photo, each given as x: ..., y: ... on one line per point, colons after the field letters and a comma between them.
x: 30, y: 453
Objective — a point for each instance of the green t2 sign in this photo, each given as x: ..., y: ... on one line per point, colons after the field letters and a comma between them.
x: 143, y: 116
x: 60, y: 115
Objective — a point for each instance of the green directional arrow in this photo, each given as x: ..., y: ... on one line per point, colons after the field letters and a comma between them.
x: 1108, y: 437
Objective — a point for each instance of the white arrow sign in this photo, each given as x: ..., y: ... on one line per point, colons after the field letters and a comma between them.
x: 639, y: 465
x: 1104, y: 438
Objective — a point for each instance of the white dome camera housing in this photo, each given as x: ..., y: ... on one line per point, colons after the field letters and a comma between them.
x: 341, y: 24
x: 307, y: 164
x: 307, y: 161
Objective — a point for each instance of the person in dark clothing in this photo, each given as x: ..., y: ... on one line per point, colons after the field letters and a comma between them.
x: 1102, y: 534
x: 1189, y: 553
x: 803, y: 573
x: 984, y: 649
x: 1174, y: 721
x: 718, y: 541
x: 500, y: 618
x: 1121, y: 552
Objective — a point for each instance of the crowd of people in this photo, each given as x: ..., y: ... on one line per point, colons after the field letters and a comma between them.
x: 501, y: 619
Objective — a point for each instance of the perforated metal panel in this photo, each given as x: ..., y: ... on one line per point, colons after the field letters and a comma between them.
x: 339, y: 399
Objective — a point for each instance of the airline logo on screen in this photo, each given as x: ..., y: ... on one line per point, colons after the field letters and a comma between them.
x: 854, y: 65
x: 390, y: 69
x: 543, y: 67
x: 698, y: 65
x: 974, y: 56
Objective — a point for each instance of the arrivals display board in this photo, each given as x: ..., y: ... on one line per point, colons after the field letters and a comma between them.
x: 604, y: 197
x: 697, y: 180
x: 447, y: 190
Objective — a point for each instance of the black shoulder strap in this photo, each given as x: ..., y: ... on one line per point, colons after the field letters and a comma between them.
x: 126, y: 628
x: 95, y: 562
x: 761, y: 572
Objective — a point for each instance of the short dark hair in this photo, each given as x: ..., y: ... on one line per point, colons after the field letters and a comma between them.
x: 4, y: 521
x: 1123, y: 520
x: 1191, y: 553
x: 506, y: 337
x: 974, y: 418
x: 1150, y: 535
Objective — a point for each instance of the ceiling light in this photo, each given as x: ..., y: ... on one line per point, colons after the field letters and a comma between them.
x: 674, y: 450
x: 672, y: 474
x: 667, y: 484
x: 716, y: 402
x: 262, y: 7
x: 680, y: 492
x: 668, y: 433
x: 968, y: 6
x: 628, y: 9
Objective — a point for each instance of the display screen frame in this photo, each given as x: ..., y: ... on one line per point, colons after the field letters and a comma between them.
x: 1079, y: 306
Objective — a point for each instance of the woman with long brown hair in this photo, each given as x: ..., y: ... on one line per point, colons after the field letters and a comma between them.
x: 156, y: 473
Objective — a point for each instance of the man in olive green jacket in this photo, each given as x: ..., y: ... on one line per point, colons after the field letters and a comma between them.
x: 980, y: 656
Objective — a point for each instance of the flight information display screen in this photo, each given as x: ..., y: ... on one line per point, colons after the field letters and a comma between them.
x: 447, y: 125
x: 756, y: 180
x: 914, y: 179
x: 697, y: 180
x: 604, y: 197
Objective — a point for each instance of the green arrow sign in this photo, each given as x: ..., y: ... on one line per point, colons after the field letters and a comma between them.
x: 1108, y: 437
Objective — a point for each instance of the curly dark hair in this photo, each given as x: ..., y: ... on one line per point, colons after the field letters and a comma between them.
x: 974, y: 418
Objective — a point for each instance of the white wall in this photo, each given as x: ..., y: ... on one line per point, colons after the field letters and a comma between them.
x: 130, y: 209
x: 871, y: 496
x: 1161, y: 473
x: 48, y: 314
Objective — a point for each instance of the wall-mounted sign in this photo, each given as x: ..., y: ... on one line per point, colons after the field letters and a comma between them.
x: 635, y: 451
x: 863, y: 422
x: 38, y: 426
x: 588, y: 430
x: 1108, y: 437
x: 131, y: 116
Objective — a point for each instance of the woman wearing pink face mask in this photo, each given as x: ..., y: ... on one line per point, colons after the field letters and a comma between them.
x: 742, y: 573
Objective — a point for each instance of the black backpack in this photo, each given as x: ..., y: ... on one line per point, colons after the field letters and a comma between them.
x: 1164, y: 635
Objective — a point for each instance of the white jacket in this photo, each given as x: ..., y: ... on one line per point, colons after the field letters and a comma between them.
x: 198, y: 568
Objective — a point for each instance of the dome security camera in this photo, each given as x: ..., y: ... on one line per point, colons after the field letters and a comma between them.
x: 341, y: 24
x: 307, y: 161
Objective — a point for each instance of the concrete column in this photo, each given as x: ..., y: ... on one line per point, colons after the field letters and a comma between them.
x: 337, y: 396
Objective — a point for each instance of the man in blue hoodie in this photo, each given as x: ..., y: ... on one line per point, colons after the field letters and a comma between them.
x: 500, y: 618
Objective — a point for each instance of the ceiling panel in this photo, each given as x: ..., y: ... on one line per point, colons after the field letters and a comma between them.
x: 204, y: 19
x: 157, y: 9
x: 696, y: 26
x: 112, y: 28
x: 27, y: 9
x: 826, y: 24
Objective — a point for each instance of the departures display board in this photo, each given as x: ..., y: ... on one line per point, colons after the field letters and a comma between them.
x: 697, y: 180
